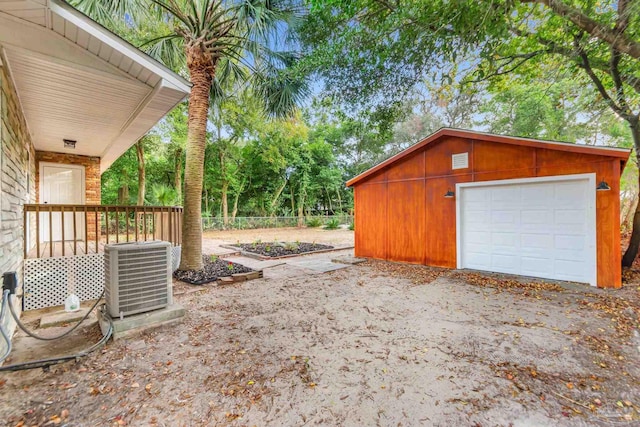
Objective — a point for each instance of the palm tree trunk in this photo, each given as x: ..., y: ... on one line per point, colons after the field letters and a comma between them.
x: 201, y: 77
x: 177, y: 178
x: 142, y: 181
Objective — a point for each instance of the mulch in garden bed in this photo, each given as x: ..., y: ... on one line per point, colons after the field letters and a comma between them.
x: 213, y: 269
x: 278, y: 249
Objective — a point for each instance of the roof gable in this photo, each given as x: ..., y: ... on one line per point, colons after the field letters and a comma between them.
x: 76, y: 80
x: 621, y: 153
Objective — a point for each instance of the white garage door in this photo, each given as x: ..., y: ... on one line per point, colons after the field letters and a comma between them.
x: 541, y: 227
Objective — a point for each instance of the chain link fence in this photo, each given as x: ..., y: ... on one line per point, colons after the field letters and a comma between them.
x: 251, y: 222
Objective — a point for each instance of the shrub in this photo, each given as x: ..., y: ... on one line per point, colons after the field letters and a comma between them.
x: 290, y: 246
x: 332, y: 224
x: 352, y: 226
x: 314, y: 222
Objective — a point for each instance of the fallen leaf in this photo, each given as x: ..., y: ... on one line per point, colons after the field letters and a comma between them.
x: 135, y: 385
x: 569, y: 386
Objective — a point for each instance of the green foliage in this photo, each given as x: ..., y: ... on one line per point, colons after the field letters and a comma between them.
x: 291, y: 246
x: 332, y: 224
x: 352, y: 226
x: 163, y: 195
x: 314, y: 222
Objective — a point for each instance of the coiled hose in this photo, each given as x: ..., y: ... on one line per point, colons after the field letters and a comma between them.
x: 45, y: 363
x: 5, y: 335
x: 64, y: 334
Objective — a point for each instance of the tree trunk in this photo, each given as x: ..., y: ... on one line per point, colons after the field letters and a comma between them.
x: 301, y: 208
x: 206, y: 200
x: 177, y: 177
x: 339, y: 201
x: 236, y: 199
x: 634, y: 243
x: 142, y: 180
x: 225, y: 183
x: 329, y: 199
x: 274, y: 201
x: 631, y: 207
x: 225, y: 202
x: 123, y: 195
x: 201, y: 72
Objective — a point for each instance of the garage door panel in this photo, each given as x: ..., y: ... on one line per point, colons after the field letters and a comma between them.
x: 569, y: 270
x: 505, y: 194
x: 535, y: 241
x: 481, y: 195
x: 505, y: 263
x: 505, y: 218
x: 566, y: 241
x: 478, y: 260
x: 535, y: 217
x: 505, y: 240
x: 542, y: 228
x: 534, y: 266
x: 479, y: 237
x: 476, y: 218
x: 536, y: 194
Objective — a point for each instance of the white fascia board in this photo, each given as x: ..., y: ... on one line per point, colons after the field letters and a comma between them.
x: 72, y: 15
x: 115, y: 148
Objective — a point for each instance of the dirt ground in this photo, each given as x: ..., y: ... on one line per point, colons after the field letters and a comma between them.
x: 373, y: 344
x: 289, y: 234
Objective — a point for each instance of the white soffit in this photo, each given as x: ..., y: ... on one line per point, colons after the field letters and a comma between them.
x: 76, y: 80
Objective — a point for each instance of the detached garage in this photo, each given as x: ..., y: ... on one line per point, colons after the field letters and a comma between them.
x: 462, y: 199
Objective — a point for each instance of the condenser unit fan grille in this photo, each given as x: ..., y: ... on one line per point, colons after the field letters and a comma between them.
x: 138, y: 277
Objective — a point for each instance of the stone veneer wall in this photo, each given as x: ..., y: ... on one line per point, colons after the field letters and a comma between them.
x: 17, y: 182
x: 91, y: 170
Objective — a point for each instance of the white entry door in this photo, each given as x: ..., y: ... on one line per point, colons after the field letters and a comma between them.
x: 61, y: 184
x: 541, y: 227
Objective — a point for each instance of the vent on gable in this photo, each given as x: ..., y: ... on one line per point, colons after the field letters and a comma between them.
x: 460, y: 161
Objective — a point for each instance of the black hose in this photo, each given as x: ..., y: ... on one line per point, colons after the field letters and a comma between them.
x: 64, y: 334
x: 45, y: 363
x: 5, y: 335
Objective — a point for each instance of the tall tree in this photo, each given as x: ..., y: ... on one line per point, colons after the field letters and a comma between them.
x: 210, y: 38
x: 365, y: 47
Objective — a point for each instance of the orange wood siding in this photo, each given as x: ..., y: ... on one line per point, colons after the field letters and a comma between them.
x: 402, y: 214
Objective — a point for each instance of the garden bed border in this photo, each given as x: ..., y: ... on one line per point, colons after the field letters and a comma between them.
x: 268, y: 258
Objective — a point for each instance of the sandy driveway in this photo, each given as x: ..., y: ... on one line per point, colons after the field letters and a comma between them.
x: 373, y: 344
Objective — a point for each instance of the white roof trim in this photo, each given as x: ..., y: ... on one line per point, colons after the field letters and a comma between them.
x: 70, y: 14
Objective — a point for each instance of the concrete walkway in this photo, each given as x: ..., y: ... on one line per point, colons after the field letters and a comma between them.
x: 302, y: 265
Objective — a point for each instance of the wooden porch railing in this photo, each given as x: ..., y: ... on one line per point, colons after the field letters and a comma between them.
x: 62, y: 230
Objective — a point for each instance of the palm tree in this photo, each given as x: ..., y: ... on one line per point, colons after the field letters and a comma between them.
x: 215, y: 40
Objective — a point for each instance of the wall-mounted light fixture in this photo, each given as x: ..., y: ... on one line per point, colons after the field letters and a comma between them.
x: 69, y: 143
x: 449, y: 194
x: 603, y: 186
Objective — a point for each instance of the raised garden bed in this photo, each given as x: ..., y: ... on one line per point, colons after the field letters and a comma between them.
x: 214, y: 268
x: 280, y: 249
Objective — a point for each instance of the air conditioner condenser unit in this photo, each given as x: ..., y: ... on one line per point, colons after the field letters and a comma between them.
x: 137, y: 277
